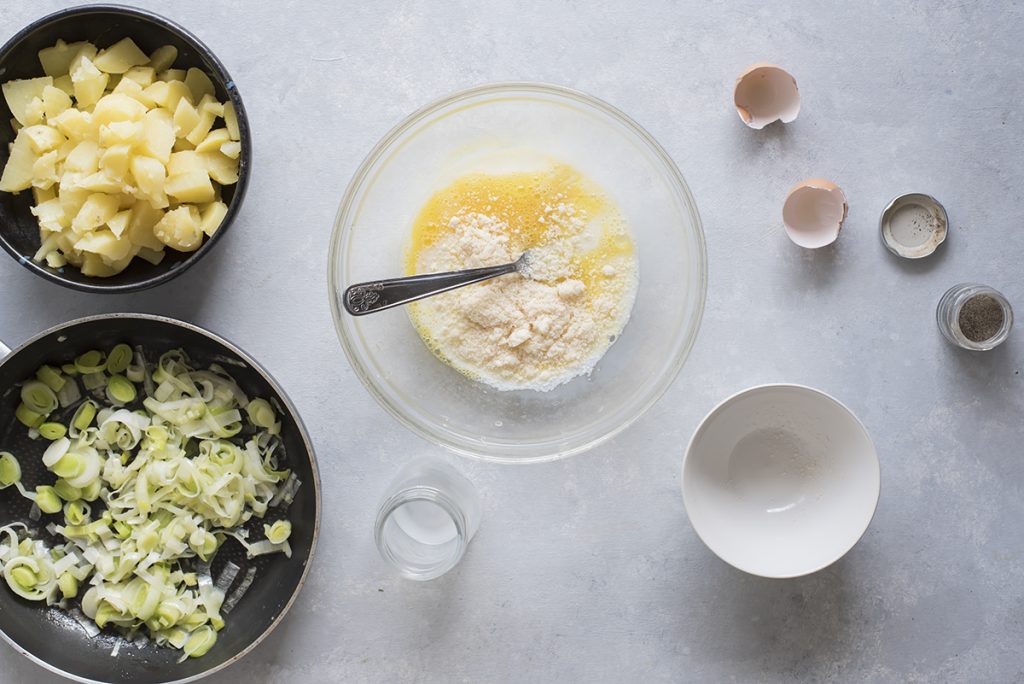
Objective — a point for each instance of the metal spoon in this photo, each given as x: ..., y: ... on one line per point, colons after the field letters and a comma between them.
x: 364, y: 298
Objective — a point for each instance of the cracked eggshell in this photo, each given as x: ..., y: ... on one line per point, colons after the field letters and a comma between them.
x: 765, y: 93
x: 814, y: 213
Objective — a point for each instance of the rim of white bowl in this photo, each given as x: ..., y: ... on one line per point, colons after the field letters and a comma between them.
x: 554, y: 449
x: 773, y: 386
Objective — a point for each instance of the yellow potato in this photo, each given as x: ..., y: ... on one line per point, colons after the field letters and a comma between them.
x: 179, y: 229
x: 150, y: 177
x: 221, y: 168
x: 169, y: 96
x: 184, y: 162
x: 213, y: 141
x: 115, y: 161
x: 191, y: 187
x: 55, y: 102
x: 17, y: 174
x: 84, y: 159
x: 172, y: 75
x: 43, y: 138
x: 211, y: 216
x: 102, y: 182
x: 117, y: 107
x: 185, y: 118
x: 231, y: 120
x: 64, y: 83
x: 163, y: 57
x: 51, y: 211
x: 44, y: 171
x: 231, y: 149
x: 120, y: 57
x: 75, y: 124
x: 142, y: 75
x: 70, y: 196
x: 209, y: 111
x: 132, y: 89
x: 151, y: 255
x: 88, y: 81
x: 93, y: 265
x: 97, y: 210
x: 119, y: 224
x: 56, y: 60
x: 103, y: 242
x: 199, y: 83
x: 122, y: 133
x: 157, y: 135
x: 140, y: 227
x: 19, y: 95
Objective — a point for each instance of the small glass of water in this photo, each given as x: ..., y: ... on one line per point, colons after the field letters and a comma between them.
x: 426, y: 519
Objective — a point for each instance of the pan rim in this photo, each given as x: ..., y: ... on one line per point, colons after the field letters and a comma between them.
x: 306, y: 440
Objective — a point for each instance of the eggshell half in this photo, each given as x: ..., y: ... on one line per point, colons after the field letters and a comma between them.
x: 814, y: 213
x: 765, y: 93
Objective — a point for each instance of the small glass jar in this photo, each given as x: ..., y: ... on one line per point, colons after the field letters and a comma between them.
x: 426, y: 519
x: 948, y: 316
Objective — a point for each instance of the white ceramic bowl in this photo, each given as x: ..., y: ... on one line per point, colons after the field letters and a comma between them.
x: 780, y: 480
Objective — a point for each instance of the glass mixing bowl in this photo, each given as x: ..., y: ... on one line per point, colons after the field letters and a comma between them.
x: 467, y: 132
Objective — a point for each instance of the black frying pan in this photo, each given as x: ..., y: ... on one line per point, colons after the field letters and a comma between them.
x: 55, y: 641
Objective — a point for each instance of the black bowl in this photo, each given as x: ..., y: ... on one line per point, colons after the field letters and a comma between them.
x: 104, y: 25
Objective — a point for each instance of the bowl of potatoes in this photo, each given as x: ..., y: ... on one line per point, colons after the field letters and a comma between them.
x: 125, y: 148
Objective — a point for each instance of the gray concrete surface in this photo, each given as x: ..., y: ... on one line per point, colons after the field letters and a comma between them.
x: 587, y: 570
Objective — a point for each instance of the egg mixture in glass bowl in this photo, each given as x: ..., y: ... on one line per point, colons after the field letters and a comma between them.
x: 515, y: 134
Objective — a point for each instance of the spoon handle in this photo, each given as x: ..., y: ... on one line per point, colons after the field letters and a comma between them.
x: 376, y: 295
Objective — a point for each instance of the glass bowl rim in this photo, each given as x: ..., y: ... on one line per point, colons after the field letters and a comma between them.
x: 453, y: 441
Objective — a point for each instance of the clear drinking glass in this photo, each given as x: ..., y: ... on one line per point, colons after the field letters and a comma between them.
x: 948, y: 316
x: 426, y: 519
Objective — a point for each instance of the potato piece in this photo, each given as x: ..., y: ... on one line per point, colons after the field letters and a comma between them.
x: 183, y: 145
x: 52, y: 212
x: 103, y: 242
x: 185, y: 162
x: 97, y: 210
x: 71, y: 197
x: 150, y: 176
x: 193, y: 187
x: 172, y: 75
x: 20, y: 93
x: 44, y: 170
x: 151, y: 255
x: 40, y: 195
x: 140, y: 227
x: 56, y: 60
x: 55, y: 102
x: 169, y: 94
x: 115, y: 161
x: 84, y: 159
x: 221, y: 168
x: 117, y: 107
x: 120, y: 57
x: 231, y: 121
x: 64, y: 84
x: 44, y: 138
x: 88, y: 81
x: 133, y: 90
x: 17, y: 173
x: 163, y: 57
x: 35, y: 113
x: 199, y: 83
x: 157, y: 135
x: 208, y: 113
x: 122, y: 133
x: 232, y: 149
x: 101, y: 181
x: 179, y: 229
x: 213, y: 141
x: 185, y: 118
x: 211, y: 216
x: 143, y: 76
x: 75, y: 124
x: 94, y: 266
x: 119, y: 224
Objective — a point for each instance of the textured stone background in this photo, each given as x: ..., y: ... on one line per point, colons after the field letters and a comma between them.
x: 588, y: 570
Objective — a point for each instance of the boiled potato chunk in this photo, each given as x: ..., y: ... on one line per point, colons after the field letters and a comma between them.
x: 199, y: 83
x: 150, y: 177
x: 125, y: 155
x: 17, y: 174
x: 163, y: 57
x: 19, y: 95
x: 97, y: 210
x: 56, y: 60
x: 211, y: 216
x: 55, y: 102
x: 88, y: 81
x: 221, y: 168
x: 192, y: 187
x: 120, y: 57
x: 180, y: 229
x: 117, y: 107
